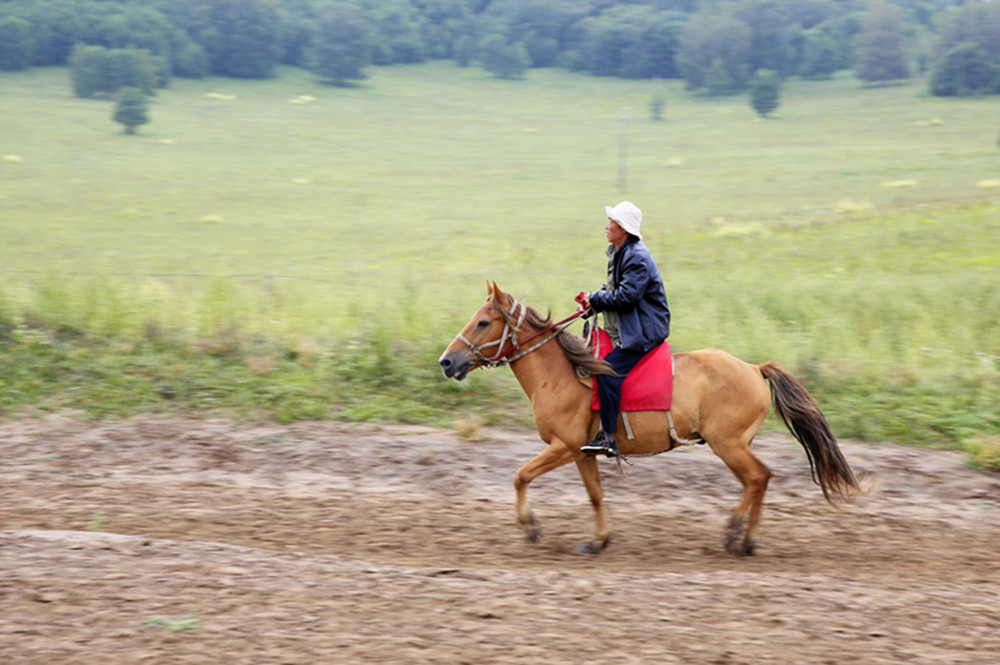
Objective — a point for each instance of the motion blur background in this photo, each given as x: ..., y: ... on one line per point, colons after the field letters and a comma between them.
x: 320, y: 190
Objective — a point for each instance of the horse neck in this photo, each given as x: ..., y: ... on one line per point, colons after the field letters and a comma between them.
x: 544, y: 371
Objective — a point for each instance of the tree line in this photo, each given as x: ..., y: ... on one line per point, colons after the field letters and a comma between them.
x: 715, y: 46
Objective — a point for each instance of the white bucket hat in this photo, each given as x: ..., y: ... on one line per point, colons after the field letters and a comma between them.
x: 628, y: 216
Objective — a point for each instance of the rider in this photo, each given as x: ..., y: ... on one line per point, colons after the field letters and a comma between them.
x: 636, y: 315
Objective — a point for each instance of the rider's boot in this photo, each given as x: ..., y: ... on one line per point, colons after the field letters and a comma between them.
x: 603, y: 443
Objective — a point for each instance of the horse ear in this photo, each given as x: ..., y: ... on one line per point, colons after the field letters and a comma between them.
x: 493, y: 291
x: 496, y: 293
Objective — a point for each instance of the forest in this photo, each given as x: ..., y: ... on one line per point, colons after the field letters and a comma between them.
x: 714, y: 46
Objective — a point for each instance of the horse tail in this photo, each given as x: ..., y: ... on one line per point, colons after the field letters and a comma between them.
x: 808, y: 425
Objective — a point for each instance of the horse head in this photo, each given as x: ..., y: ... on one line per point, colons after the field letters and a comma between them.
x: 495, y: 324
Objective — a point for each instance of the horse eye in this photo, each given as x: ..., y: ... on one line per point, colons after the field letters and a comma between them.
x: 484, y: 323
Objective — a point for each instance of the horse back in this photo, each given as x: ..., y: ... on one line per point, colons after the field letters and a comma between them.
x: 714, y: 391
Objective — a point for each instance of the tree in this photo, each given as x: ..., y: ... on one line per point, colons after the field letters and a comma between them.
x: 131, y: 68
x: 654, y: 43
x: 771, y: 33
x: 465, y: 50
x: 604, y: 39
x: 98, y: 71
x: 550, y: 19
x: 506, y: 61
x: 630, y: 41
x: 301, y: 26
x: 131, y: 111
x: 882, y: 49
x: 241, y: 38
x: 56, y: 27
x: 820, y: 55
x: 543, y: 26
x: 16, y: 44
x: 187, y: 58
x: 341, y: 47
x: 714, y: 49
x: 765, y: 92
x: 397, y: 29
x: 977, y: 22
x: 808, y: 14
x: 86, y: 70
x: 964, y: 71
x: 717, y: 80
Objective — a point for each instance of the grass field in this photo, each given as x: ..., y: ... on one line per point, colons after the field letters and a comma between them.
x: 288, y: 249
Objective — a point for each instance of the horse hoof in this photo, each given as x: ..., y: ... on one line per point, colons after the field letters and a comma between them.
x: 533, y: 534
x: 591, y: 547
x: 736, y: 540
x: 741, y: 548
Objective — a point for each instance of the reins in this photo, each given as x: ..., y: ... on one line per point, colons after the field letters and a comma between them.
x: 499, y: 359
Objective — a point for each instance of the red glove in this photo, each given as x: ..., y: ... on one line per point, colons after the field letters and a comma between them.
x: 580, y: 297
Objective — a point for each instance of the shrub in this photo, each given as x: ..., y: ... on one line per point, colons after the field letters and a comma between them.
x: 506, y: 61
x: 97, y: 71
x: 341, y: 48
x: 188, y: 60
x: 984, y: 452
x: 765, y: 90
x: 964, y: 71
x: 131, y: 109
x: 656, y: 107
x: 717, y: 79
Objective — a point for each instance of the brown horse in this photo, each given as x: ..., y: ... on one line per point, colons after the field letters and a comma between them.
x: 717, y: 398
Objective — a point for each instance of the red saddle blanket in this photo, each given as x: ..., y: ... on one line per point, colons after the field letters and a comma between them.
x: 649, y: 386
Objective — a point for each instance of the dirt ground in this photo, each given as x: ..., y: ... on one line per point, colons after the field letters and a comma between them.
x: 190, y: 541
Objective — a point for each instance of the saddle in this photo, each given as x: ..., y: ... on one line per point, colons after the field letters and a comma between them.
x: 649, y: 386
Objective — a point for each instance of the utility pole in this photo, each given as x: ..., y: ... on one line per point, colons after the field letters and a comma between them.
x: 623, y: 149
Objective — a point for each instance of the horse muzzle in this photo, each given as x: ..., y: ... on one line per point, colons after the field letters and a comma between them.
x: 454, y: 368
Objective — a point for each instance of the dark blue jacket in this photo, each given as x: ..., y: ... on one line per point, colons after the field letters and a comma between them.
x: 638, y: 298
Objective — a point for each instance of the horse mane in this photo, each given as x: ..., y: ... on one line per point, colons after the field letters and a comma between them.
x: 579, y: 351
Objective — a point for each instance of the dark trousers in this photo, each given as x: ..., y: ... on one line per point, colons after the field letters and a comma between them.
x: 609, y: 388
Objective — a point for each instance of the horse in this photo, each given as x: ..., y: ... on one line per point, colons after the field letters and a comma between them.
x: 718, y: 399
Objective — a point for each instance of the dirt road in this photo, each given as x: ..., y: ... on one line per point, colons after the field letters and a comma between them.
x: 186, y: 541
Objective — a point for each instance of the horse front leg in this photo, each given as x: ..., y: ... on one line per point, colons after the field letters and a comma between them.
x: 555, y: 455
x: 591, y: 475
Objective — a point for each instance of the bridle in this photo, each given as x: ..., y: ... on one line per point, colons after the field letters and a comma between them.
x: 500, y: 358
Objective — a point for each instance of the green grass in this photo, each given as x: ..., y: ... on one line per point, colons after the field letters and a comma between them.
x: 439, y: 174
x: 184, y: 624
x: 301, y: 260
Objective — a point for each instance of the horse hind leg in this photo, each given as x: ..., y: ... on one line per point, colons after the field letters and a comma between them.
x: 754, y: 476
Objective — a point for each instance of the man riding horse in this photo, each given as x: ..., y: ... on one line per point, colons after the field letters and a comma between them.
x: 636, y: 314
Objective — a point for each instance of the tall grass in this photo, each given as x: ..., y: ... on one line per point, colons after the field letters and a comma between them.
x: 272, y: 259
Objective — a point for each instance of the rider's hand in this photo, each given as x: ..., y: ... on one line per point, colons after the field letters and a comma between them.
x: 583, y: 301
